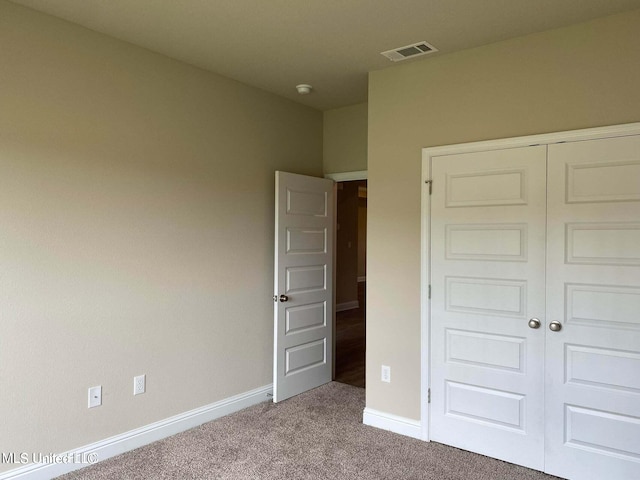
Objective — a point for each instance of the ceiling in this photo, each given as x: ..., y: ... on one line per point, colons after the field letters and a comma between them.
x: 331, y: 44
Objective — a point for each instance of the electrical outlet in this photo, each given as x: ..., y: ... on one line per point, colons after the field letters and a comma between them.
x: 386, y: 374
x: 139, y: 384
x: 95, y: 396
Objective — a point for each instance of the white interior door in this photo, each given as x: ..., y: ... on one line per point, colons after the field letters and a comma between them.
x: 593, y: 284
x: 303, y: 284
x: 487, y: 278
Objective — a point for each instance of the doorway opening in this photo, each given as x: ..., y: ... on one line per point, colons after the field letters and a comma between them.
x: 351, y: 275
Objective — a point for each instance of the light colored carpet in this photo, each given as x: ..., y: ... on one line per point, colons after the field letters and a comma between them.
x: 316, y: 435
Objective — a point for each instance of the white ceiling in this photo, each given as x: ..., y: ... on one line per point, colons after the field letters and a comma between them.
x: 331, y: 44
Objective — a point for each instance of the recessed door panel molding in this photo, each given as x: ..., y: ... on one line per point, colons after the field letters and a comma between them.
x: 307, y: 203
x: 604, y: 306
x: 604, y: 433
x: 305, y: 356
x: 603, y: 182
x: 486, y: 296
x: 305, y: 317
x: 484, y: 350
x: 603, y: 368
x: 493, y: 242
x: 306, y: 240
x: 603, y: 243
x: 485, y: 405
x: 486, y: 188
x: 307, y: 279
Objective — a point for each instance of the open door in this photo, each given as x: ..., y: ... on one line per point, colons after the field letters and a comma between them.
x: 303, y: 284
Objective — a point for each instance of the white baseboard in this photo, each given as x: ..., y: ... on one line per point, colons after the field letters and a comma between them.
x: 341, y: 307
x: 393, y: 423
x: 137, y: 438
x: 362, y: 279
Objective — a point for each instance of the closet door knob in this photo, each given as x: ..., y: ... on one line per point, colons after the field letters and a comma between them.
x: 534, y: 323
x: 555, y: 326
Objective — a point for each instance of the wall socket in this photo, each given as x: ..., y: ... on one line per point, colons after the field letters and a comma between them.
x: 386, y: 374
x: 139, y: 384
x: 95, y: 396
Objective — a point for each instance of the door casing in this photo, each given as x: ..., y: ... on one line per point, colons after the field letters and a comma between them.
x: 339, y: 177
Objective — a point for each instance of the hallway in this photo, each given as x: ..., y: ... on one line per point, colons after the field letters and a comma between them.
x: 350, y: 342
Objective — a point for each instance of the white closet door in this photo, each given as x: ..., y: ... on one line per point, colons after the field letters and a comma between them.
x: 487, y: 278
x: 593, y: 285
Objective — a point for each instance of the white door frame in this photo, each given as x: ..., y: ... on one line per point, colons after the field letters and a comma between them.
x: 339, y: 177
x: 425, y: 245
x: 347, y: 176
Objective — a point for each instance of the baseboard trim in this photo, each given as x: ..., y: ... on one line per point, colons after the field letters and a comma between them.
x: 140, y: 436
x: 341, y: 307
x: 393, y: 423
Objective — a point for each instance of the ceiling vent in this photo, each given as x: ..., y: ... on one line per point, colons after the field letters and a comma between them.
x: 409, y: 51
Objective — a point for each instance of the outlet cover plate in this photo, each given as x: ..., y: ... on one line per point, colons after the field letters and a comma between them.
x: 385, y: 375
x: 139, y: 384
x: 95, y: 396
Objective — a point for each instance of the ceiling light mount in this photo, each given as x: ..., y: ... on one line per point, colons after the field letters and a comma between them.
x: 304, y: 89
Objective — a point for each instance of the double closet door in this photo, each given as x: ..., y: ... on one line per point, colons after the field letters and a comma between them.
x: 535, y: 306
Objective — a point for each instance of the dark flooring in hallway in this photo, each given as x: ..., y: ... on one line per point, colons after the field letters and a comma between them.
x: 350, y: 342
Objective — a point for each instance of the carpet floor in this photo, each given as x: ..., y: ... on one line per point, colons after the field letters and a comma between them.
x: 316, y: 435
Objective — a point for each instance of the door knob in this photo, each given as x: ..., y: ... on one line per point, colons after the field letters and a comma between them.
x: 534, y: 323
x: 555, y: 326
x: 284, y: 298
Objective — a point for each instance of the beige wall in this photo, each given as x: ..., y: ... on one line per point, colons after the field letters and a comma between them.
x: 345, y: 139
x: 136, y: 210
x: 581, y: 76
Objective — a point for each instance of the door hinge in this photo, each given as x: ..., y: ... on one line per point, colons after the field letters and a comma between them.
x: 429, y: 294
x: 429, y: 395
x: 430, y: 183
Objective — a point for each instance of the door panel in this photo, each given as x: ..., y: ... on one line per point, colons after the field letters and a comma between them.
x: 487, y: 278
x: 303, y: 278
x: 593, y: 289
